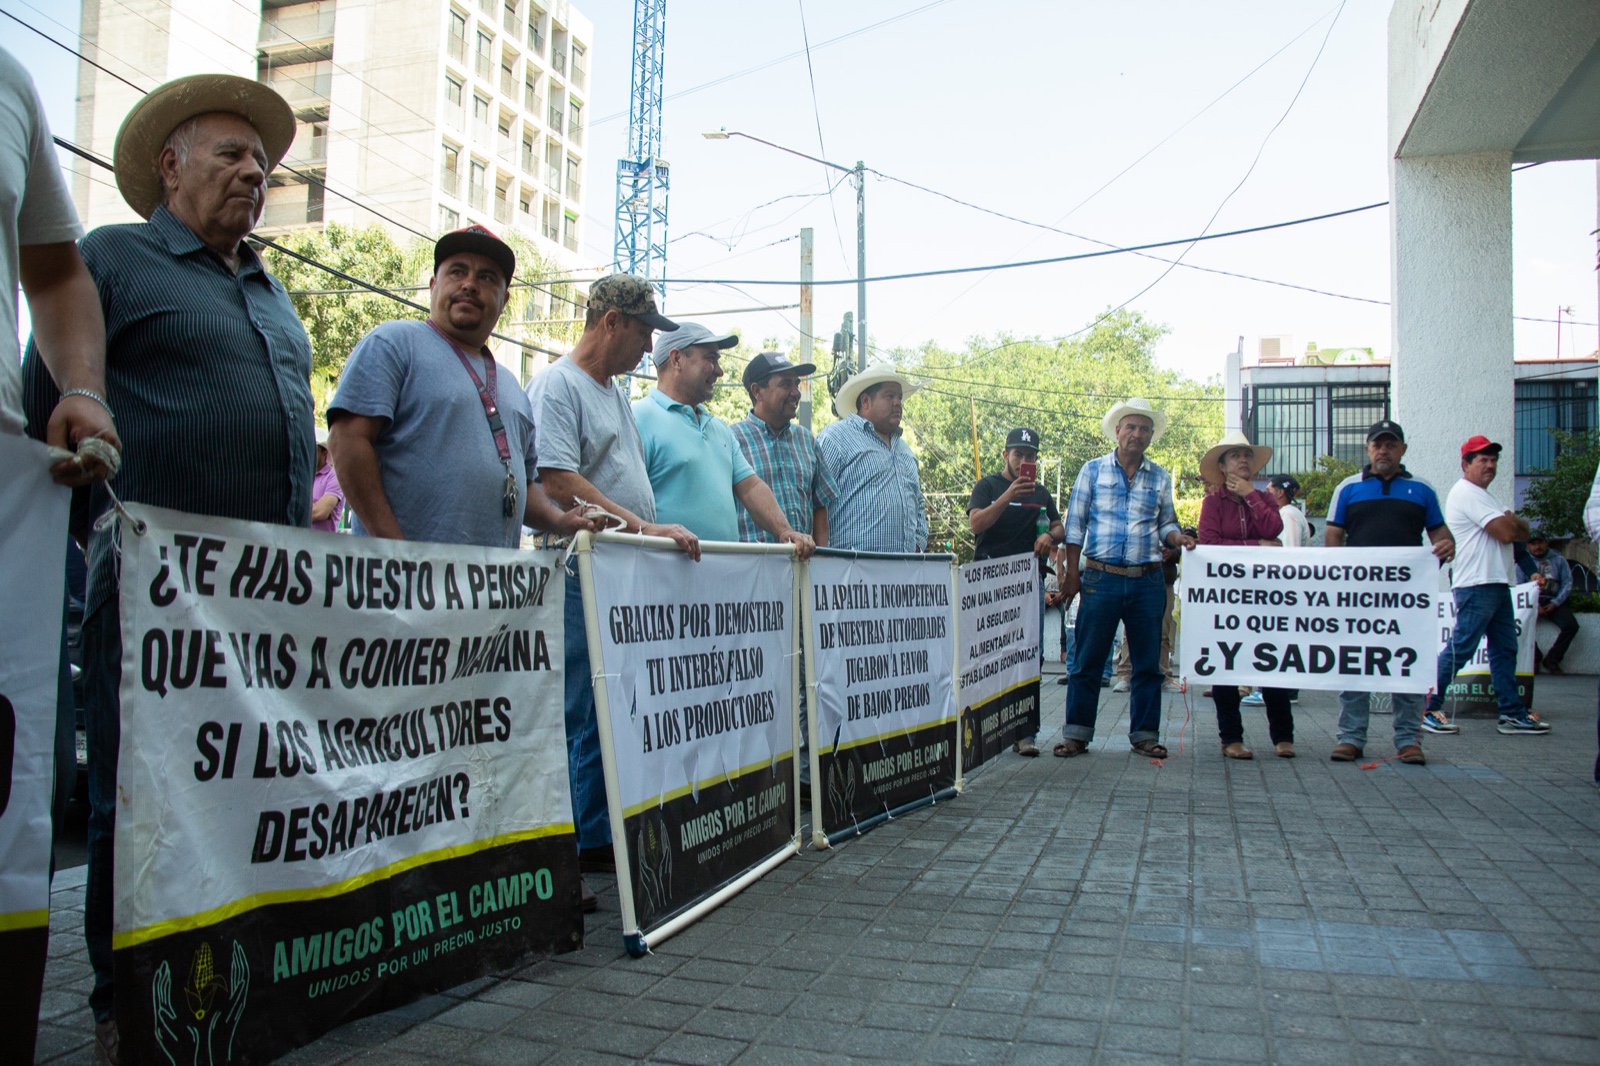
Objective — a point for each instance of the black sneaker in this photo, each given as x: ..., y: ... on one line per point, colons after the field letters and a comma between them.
x: 1523, y: 725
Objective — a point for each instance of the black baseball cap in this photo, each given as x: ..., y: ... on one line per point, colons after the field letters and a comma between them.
x: 1286, y: 482
x: 478, y: 241
x: 1022, y: 437
x: 767, y: 364
x: 1386, y: 428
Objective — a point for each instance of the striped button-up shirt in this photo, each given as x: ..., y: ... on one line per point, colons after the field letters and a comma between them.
x: 880, y: 507
x: 789, y: 462
x: 208, y: 372
x: 1119, y: 520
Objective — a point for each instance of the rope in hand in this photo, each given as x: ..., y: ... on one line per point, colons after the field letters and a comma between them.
x: 91, y: 449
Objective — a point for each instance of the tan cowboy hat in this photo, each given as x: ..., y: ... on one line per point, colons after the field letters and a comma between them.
x: 1137, y: 405
x: 1211, y: 462
x: 844, y: 404
x: 166, y: 107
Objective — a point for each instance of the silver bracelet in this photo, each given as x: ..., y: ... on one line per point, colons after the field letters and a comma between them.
x: 95, y: 396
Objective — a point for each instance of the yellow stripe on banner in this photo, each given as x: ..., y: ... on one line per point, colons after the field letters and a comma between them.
x: 1010, y: 688
x: 684, y: 790
x: 10, y: 923
x: 134, y: 937
x: 895, y: 733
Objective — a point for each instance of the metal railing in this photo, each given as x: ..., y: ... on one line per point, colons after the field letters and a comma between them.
x: 481, y: 65
x: 478, y: 197
x: 552, y: 177
x: 450, y: 180
x: 558, y: 60
x: 458, y: 49
x: 578, y: 72
x: 574, y: 188
x: 277, y: 27
x: 502, y: 211
x: 551, y: 230
x: 508, y: 19
x: 570, y: 240
x: 532, y: 102
x: 535, y: 37
x: 508, y: 82
x: 297, y: 91
x: 555, y: 118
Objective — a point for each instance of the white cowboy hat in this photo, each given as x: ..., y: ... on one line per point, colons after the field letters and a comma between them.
x: 1211, y: 462
x: 844, y: 404
x: 1137, y: 405
x: 163, y: 109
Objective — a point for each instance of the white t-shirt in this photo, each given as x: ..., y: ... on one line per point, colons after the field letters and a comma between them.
x: 1480, y: 559
x: 34, y: 209
x: 1296, y: 530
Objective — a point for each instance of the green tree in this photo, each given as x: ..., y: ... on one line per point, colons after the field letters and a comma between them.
x: 1554, y: 502
x: 1316, y: 486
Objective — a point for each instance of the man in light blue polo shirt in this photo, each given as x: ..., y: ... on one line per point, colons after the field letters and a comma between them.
x: 696, y: 470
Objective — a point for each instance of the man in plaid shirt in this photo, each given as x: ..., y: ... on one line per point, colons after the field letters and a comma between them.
x: 782, y: 452
x: 1118, y: 517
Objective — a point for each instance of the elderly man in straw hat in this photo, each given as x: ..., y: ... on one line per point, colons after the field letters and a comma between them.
x: 880, y: 507
x: 1237, y: 513
x: 1118, y: 517
x: 207, y: 368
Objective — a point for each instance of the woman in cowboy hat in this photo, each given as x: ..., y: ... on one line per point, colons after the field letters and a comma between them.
x: 1235, y: 512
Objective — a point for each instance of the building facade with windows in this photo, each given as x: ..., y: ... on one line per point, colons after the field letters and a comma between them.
x: 1321, y: 403
x: 437, y: 113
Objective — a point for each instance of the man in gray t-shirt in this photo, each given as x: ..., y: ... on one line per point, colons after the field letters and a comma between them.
x: 432, y: 441
x: 589, y: 450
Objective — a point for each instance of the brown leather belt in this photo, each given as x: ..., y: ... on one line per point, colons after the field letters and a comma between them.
x: 1121, y: 571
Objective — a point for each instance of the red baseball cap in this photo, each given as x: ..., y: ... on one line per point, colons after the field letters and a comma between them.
x: 1480, y: 443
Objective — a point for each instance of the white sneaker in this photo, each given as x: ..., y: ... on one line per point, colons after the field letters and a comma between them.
x: 1122, y: 686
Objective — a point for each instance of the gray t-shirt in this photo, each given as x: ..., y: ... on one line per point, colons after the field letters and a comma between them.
x: 34, y: 209
x: 588, y: 428
x: 437, y: 456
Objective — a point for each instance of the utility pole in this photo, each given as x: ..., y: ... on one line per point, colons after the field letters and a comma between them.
x: 805, y: 323
x: 861, y: 266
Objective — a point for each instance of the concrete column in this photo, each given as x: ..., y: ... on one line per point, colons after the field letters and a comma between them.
x: 1450, y: 248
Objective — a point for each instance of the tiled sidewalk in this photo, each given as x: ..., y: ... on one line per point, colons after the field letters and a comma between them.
x: 1097, y: 910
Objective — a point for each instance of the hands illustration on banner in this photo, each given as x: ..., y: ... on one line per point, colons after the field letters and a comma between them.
x: 210, y: 1030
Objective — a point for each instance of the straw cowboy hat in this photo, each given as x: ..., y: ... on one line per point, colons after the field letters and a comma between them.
x: 1211, y: 462
x: 844, y: 404
x: 137, y: 153
x: 1138, y: 405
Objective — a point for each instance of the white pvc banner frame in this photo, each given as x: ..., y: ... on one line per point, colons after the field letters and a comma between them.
x: 610, y: 688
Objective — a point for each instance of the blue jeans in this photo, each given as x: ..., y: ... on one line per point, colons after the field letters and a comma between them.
x: 1480, y: 610
x: 1355, y: 708
x: 585, y: 773
x: 102, y: 728
x: 1105, y: 600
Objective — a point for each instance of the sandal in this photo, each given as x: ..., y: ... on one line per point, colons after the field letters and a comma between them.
x: 1068, y: 748
x: 1152, y: 748
x: 1237, y: 750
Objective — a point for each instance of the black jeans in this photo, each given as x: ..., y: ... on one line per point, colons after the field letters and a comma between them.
x: 1565, y: 621
x: 1280, y: 719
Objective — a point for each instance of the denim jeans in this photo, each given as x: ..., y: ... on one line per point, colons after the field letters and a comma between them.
x: 1105, y: 600
x: 102, y: 728
x: 1355, y: 708
x: 1230, y: 724
x: 585, y: 772
x: 1483, y: 610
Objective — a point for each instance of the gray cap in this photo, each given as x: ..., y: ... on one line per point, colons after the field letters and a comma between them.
x: 687, y: 335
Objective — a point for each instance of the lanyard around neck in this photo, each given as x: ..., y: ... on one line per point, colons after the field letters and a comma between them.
x: 488, y: 392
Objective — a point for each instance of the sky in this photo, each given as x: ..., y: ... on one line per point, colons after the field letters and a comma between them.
x: 1123, y: 123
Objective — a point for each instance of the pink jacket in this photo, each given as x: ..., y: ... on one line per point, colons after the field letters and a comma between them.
x: 1226, y: 519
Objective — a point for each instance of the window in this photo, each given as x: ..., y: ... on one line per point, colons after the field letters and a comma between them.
x: 524, y: 204
x: 1285, y: 420
x: 458, y: 36
x: 449, y: 220
x: 532, y: 102
x: 575, y: 122
x: 508, y: 16
x: 452, y: 98
x: 450, y: 172
x: 530, y: 152
x: 536, y: 30
x: 478, y: 191
x: 555, y: 113
x: 569, y: 231
x: 578, y: 56
x: 574, y: 177
x: 502, y: 201
x: 552, y: 167
x: 480, y: 118
x: 485, y: 51
x: 1543, y: 407
x: 1353, y: 409
x: 508, y: 73
x: 551, y: 227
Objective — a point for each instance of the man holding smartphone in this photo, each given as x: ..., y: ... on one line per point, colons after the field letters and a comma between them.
x: 1010, y: 514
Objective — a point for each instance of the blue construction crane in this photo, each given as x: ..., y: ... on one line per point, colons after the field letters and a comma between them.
x: 642, y: 178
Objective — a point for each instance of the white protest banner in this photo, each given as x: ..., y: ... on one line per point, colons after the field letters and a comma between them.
x: 1351, y: 619
x: 880, y: 663
x: 696, y: 673
x: 999, y: 662
x: 33, y: 550
x: 1472, y: 687
x: 343, y: 779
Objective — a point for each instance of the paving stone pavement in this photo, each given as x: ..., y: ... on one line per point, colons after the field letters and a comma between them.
x: 1102, y: 909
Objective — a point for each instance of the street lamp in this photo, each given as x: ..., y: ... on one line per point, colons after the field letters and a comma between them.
x: 858, y: 174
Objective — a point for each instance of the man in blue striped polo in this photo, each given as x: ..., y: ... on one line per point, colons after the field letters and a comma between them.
x: 208, y: 370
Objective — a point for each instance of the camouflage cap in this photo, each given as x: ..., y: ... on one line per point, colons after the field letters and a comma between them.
x: 632, y: 296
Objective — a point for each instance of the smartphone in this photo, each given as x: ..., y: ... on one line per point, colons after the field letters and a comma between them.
x: 1027, y: 470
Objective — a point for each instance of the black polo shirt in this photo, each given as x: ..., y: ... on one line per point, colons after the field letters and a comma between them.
x: 1015, y: 530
